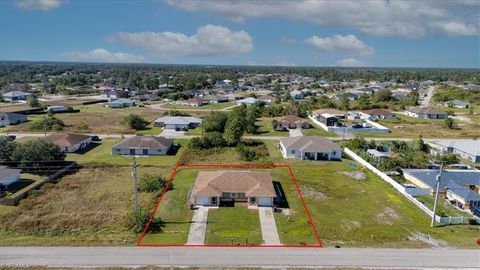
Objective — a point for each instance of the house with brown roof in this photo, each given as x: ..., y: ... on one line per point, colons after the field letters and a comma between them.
x: 376, y: 114
x: 310, y: 147
x: 196, y: 101
x: 70, y: 142
x: 266, y: 98
x: 211, y: 188
x: 143, y: 146
x: 291, y: 122
x: 426, y: 113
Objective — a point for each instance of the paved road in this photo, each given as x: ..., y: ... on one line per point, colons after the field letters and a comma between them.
x: 426, y: 100
x: 224, y: 257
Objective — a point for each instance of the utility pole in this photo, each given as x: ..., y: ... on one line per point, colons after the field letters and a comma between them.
x: 438, y: 178
x: 135, y: 182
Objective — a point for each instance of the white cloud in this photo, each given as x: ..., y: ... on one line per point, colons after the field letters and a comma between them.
x: 44, y: 5
x: 350, y: 62
x: 456, y: 28
x: 209, y: 40
x: 348, y: 44
x: 376, y: 17
x: 104, y: 56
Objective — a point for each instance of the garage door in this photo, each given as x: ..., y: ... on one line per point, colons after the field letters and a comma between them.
x: 202, y: 200
x: 263, y: 201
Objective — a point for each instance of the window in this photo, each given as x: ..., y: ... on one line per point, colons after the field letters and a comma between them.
x: 292, y: 151
x: 132, y: 151
x: 145, y: 152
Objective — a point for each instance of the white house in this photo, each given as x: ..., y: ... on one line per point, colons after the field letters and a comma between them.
x: 426, y: 113
x: 247, y: 101
x: 178, y: 122
x: 121, y: 103
x: 70, y: 142
x: 309, y: 147
x: 143, y: 146
x: 15, y: 95
x: 9, y: 175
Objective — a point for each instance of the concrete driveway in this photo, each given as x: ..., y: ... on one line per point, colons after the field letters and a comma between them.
x: 196, y: 235
x: 269, y: 228
x: 295, y: 132
x: 172, y: 133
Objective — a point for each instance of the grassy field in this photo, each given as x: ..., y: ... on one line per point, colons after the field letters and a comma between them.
x: 265, y: 128
x: 428, y: 128
x: 315, y: 130
x: 210, y: 106
x: 233, y: 225
x: 442, y: 206
x: 88, y: 208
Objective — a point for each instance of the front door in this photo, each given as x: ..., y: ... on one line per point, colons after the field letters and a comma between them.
x: 253, y: 200
x: 214, y: 200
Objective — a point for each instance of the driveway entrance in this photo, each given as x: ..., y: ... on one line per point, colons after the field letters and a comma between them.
x: 196, y: 236
x: 269, y: 228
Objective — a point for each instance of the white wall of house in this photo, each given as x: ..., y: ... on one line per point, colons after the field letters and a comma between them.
x: 175, y: 126
x: 12, y: 178
x: 77, y: 146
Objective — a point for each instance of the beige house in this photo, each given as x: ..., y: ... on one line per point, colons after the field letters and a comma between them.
x: 70, y: 142
x: 291, y: 122
x: 213, y: 187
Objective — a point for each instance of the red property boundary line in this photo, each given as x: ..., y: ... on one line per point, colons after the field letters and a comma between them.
x: 232, y: 166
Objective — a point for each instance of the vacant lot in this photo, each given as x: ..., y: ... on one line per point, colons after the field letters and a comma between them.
x: 407, y: 127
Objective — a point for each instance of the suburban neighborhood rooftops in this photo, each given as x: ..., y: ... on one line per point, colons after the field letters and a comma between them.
x: 309, y: 144
x: 213, y: 183
x: 460, y: 177
x: 13, y: 94
x: 6, y: 172
x: 145, y: 142
x: 66, y: 139
x: 378, y: 112
x: 425, y: 110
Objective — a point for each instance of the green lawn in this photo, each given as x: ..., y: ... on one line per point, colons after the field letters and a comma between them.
x: 175, y: 212
x: 210, y: 106
x: 265, y: 128
x: 316, y: 130
x: 101, y: 153
x: 194, y: 131
x: 233, y: 225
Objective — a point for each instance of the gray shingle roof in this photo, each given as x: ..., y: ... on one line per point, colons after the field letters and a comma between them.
x: 144, y: 142
x: 309, y: 144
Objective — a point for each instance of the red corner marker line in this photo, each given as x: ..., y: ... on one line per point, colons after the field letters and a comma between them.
x: 250, y: 166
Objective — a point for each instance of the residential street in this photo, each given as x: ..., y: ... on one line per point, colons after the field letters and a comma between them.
x: 426, y: 100
x: 223, y: 257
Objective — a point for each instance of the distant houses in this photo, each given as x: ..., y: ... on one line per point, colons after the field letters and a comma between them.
x: 458, y: 104
x: 8, y: 118
x: 310, y: 148
x: 15, y: 96
x: 266, y: 98
x: 377, y: 114
x: 143, y: 146
x: 178, y: 122
x: 426, y: 113
x: 196, y: 102
x: 121, y: 103
x: 247, y: 101
x: 70, y: 142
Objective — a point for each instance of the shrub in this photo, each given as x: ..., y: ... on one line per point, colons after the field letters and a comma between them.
x: 252, y: 150
x: 153, y: 183
x: 138, y: 219
x: 48, y: 123
x: 209, y: 140
x: 134, y: 121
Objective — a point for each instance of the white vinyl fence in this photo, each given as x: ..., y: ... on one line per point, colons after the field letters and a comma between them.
x: 401, y: 189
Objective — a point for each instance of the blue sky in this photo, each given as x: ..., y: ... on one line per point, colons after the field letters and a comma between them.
x: 303, y: 33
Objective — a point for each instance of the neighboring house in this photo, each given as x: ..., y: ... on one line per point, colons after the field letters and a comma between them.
x: 291, y: 122
x: 426, y: 113
x: 458, y: 104
x: 196, y: 102
x: 69, y: 142
x: 15, y: 95
x: 218, y: 99
x: 143, y: 146
x: 247, y: 101
x: 234, y: 96
x: 376, y: 114
x: 121, y: 103
x: 380, y: 156
x: 400, y: 95
x: 7, y: 118
x: 266, y: 98
x: 211, y: 188
x: 178, y: 122
x: 460, y: 187
x: 328, y: 117
x: 466, y: 148
x: 349, y: 95
x: 9, y: 175
x: 296, y: 95
x: 310, y: 147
